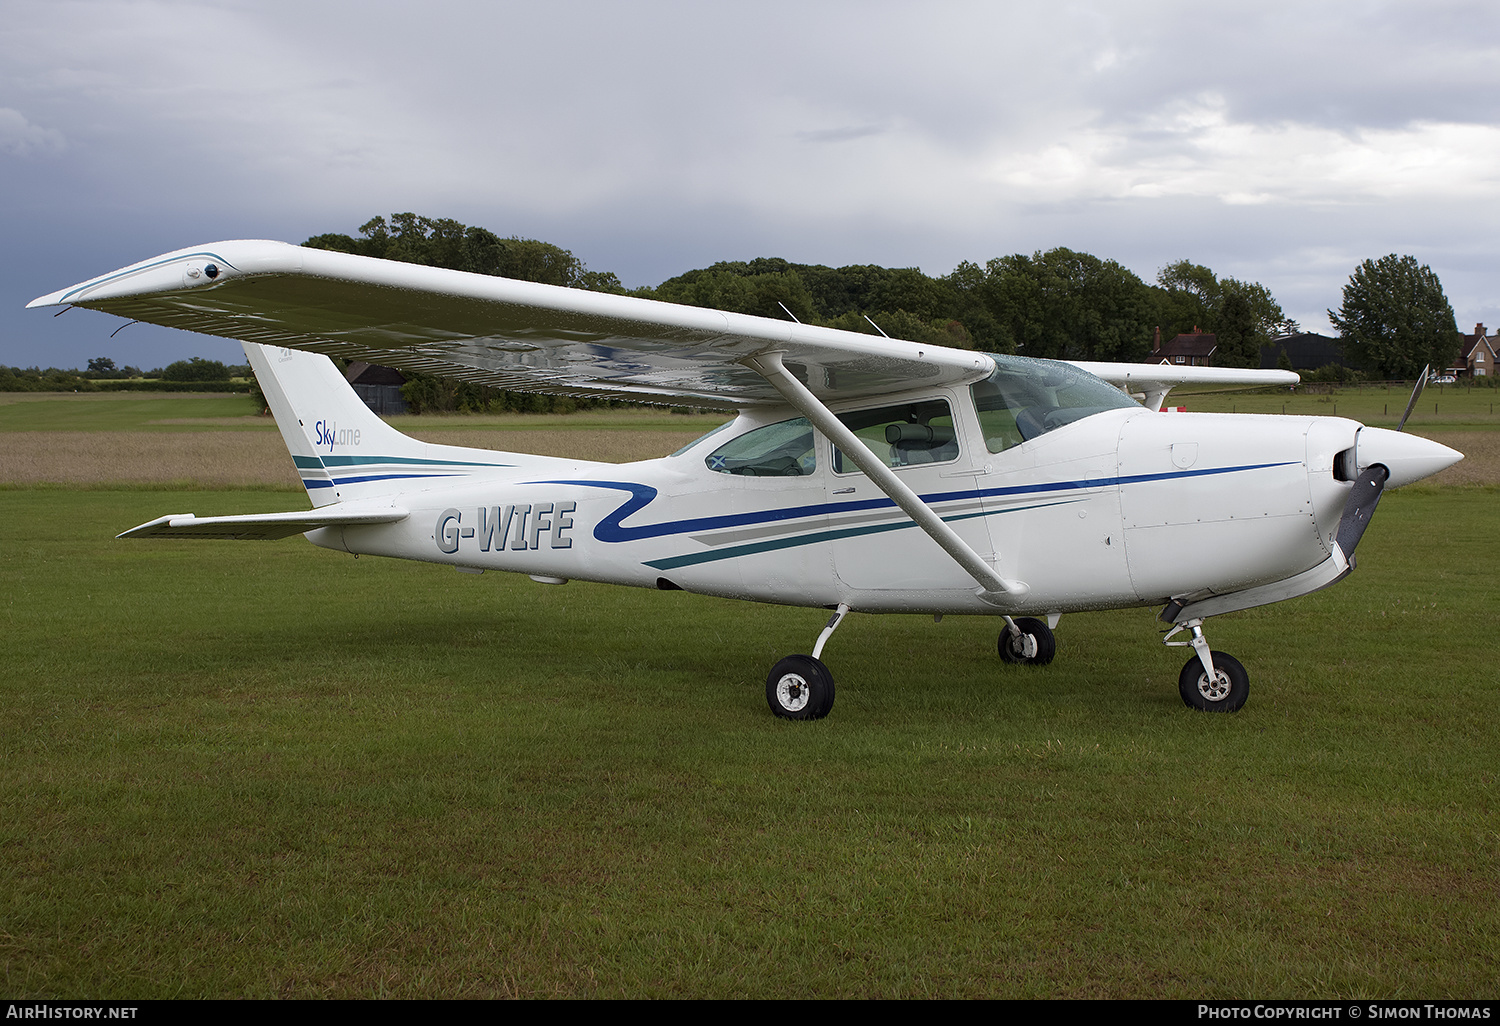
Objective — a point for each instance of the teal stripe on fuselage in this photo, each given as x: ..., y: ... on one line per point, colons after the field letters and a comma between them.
x: 735, y: 551
x: 317, y: 462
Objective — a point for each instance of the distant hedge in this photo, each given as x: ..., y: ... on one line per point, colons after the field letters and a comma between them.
x: 172, y: 386
x: 10, y: 382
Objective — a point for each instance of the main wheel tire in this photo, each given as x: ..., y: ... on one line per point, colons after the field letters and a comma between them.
x: 1015, y: 645
x: 1225, y: 693
x: 800, y: 688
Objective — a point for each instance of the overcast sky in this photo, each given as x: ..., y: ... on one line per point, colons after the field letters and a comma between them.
x: 1275, y: 142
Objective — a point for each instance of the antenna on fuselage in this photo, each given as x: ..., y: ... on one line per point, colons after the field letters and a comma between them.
x: 874, y: 325
x: 788, y: 312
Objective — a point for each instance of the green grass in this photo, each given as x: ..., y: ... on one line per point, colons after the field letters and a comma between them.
x: 128, y: 411
x: 266, y: 769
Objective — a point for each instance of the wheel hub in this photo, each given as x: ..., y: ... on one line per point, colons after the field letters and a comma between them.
x: 1215, y: 690
x: 792, y: 692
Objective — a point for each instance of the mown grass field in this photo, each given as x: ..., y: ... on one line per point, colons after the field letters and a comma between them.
x: 264, y: 769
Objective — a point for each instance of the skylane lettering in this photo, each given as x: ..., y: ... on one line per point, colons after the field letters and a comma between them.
x: 520, y: 526
x: 326, y: 432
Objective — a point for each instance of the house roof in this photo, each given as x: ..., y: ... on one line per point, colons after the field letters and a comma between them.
x: 1189, y: 343
x: 1471, y: 342
x: 361, y: 373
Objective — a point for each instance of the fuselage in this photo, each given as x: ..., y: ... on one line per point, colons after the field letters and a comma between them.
x: 1119, y: 507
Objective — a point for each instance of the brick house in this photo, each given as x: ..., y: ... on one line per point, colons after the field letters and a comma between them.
x: 1190, y: 349
x: 1476, y: 355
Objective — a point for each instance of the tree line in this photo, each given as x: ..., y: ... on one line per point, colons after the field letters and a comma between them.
x: 195, y: 374
x: 1059, y: 304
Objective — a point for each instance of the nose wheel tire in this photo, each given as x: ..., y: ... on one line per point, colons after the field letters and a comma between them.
x: 800, y: 688
x: 1225, y: 693
x: 1031, y: 643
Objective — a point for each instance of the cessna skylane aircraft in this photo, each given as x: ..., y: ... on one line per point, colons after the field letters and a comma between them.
x: 859, y: 473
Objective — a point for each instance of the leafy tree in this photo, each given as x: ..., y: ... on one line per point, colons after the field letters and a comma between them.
x: 1395, y: 319
x: 195, y: 369
x: 102, y: 365
x: 814, y: 292
x: 738, y: 289
x: 1239, y: 336
x: 1068, y: 305
x: 444, y: 242
x: 1244, y: 315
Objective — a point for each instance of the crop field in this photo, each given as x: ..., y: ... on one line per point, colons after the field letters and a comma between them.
x: 266, y: 769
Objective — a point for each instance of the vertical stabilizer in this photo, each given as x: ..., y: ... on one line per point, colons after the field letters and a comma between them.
x: 342, y: 450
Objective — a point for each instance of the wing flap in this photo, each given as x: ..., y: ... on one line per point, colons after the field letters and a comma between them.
x: 260, y: 526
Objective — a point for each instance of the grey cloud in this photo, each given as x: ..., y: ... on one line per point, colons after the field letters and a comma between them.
x: 655, y: 137
x: 20, y: 138
x: 838, y: 135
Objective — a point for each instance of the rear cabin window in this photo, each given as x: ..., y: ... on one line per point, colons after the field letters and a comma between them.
x: 784, y: 449
x: 908, y: 435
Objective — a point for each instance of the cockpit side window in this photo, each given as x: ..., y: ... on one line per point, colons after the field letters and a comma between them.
x: 783, y: 449
x: 1026, y: 398
x: 904, y: 435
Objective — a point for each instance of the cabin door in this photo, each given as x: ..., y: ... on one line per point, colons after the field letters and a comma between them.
x: 875, y: 545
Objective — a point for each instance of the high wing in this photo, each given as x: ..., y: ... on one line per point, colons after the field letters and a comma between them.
x: 528, y: 337
x: 502, y: 332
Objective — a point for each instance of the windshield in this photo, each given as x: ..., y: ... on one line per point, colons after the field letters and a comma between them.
x: 705, y: 437
x: 1026, y: 398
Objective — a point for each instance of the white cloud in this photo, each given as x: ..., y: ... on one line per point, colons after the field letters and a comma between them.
x: 1196, y: 149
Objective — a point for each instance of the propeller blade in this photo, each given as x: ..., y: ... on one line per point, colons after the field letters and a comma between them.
x: 1359, y: 508
x: 1416, y: 394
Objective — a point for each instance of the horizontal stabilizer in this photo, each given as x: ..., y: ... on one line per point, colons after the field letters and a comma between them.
x: 261, y: 526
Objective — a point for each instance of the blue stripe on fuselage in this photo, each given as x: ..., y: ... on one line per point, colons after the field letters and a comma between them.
x: 610, y: 529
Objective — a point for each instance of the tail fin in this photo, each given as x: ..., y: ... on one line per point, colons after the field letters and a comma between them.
x: 342, y: 450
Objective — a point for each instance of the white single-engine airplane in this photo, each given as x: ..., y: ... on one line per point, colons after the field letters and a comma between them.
x: 860, y: 473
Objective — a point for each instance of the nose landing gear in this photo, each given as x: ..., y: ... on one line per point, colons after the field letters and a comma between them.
x: 1211, y: 681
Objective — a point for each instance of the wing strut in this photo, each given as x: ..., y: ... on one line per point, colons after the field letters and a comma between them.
x: 769, y: 366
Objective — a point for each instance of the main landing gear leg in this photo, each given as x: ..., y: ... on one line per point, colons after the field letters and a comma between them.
x: 800, y: 686
x: 1211, y: 681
